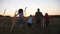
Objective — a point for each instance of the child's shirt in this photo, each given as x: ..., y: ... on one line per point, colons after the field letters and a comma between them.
x: 30, y: 20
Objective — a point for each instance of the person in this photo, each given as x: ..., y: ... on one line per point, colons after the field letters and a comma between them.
x: 15, y: 25
x: 46, y: 19
x: 38, y: 17
x: 29, y: 21
x: 21, y: 17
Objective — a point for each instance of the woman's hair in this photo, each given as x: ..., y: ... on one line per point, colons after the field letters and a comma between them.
x: 46, y: 13
x: 20, y: 11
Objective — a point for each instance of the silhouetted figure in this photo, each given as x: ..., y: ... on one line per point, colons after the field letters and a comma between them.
x: 38, y: 17
x: 21, y: 17
x: 29, y: 21
x: 46, y: 19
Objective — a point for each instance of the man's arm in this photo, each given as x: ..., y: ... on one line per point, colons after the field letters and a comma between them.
x: 36, y: 14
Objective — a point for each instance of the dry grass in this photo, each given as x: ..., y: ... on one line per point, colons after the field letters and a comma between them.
x: 54, y: 27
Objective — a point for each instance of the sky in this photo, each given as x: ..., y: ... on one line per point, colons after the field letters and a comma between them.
x: 52, y: 7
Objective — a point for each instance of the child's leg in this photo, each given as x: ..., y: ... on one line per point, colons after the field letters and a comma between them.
x: 30, y: 25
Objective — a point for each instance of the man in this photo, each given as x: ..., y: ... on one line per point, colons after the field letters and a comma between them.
x: 38, y: 17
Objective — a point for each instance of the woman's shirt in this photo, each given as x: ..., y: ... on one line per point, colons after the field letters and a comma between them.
x: 20, y: 14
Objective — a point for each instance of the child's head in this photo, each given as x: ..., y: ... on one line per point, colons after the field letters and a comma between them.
x: 30, y: 15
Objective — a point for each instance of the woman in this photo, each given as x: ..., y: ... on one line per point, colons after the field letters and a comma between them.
x: 46, y: 19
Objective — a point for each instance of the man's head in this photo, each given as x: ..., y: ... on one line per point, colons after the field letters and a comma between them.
x: 38, y: 9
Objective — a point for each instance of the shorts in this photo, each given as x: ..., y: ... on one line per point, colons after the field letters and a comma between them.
x: 29, y: 25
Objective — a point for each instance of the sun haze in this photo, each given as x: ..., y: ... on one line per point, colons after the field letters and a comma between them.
x: 52, y: 7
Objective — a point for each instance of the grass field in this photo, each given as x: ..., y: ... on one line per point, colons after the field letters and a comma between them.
x: 54, y: 27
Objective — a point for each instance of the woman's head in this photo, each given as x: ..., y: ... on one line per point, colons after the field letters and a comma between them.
x: 46, y: 13
x: 20, y: 11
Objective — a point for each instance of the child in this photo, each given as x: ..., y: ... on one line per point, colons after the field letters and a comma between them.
x: 29, y: 21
